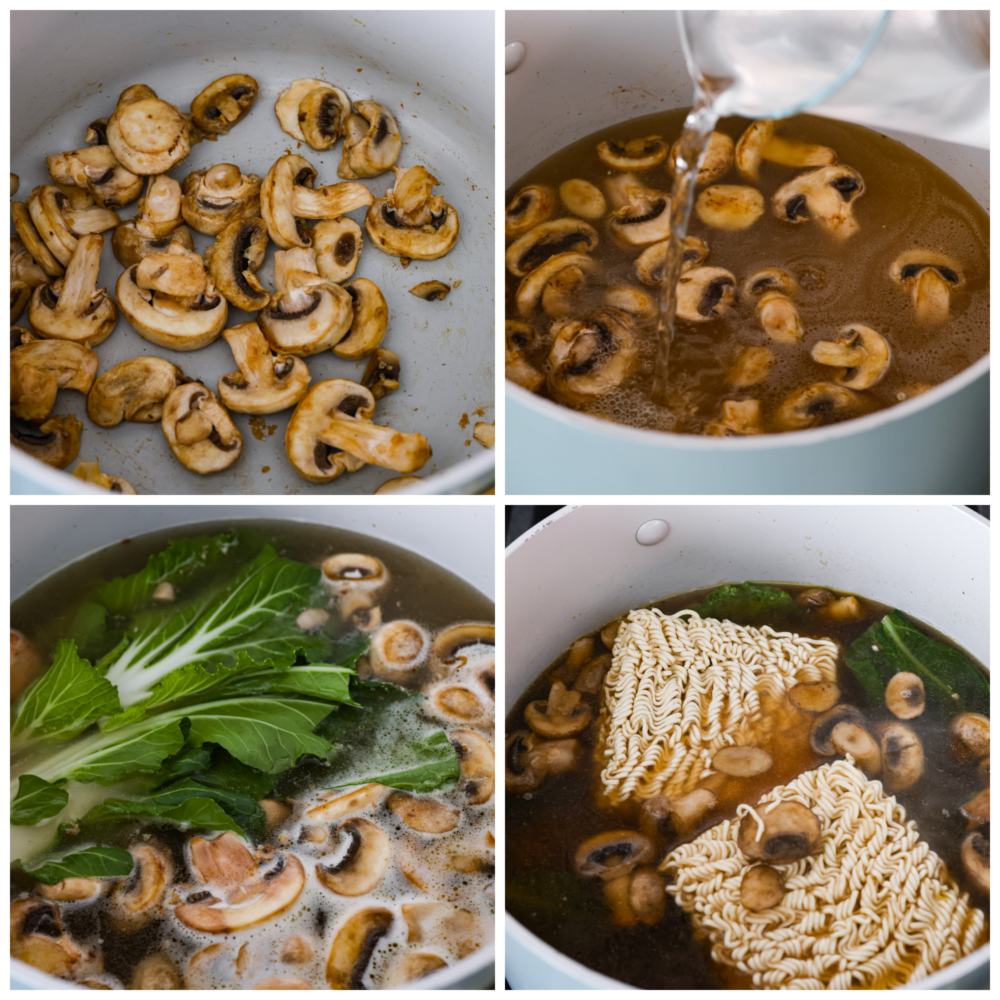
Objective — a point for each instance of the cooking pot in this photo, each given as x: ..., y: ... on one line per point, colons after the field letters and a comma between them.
x: 461, y: 539
x: 576, y: 72
x: 433, y: 71
x: 583, y: 566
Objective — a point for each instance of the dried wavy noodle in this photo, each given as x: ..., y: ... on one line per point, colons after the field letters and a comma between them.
x: 681, y: 687
x: 874, y: 908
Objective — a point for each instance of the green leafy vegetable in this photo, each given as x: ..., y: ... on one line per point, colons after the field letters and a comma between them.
x: 744, y: 603
x: 951, y: 681
x: 185, y: 801
x: 438, y: 766
x: 191, y: 760
x: 36, y: 800
x: 89, y: 630
x: 87, y: 862
x: 317, y: 680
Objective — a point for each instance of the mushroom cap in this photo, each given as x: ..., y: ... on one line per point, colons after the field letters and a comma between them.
x: 148, y: 136
x: 72, y: 889
x: 902, y: 756
x: 424, y: 242
x: 825, y: 194
x: 742, y: 761
x: 977, y: 809
x: 371, y: 141
x: 199, y: 430
x: 55, y: 442
x: 138, y: 898
x: 448, y: 645
x: 361, y: 867
x: 750, y: 148
x: 851, y: 738
x: 635, y: 154
x: 476, y: 762
x: 904, y: 695
x: 705, y: 293
x: 863, y: 351
x: 397, y: 483
x: 729, y: 206
x: 582, y: 199
x: 546, y: 240
x: 37, y: 937
x: 970, y: 735
x: 930, y: 278
x: 313, y: 458
x: 307, y: 317
x: 217, y: 197
x: 322, y: 116
x: 562, y: 714
x: 534, y: 284
x: 456, y: 703
x: 779, y: 317
x: 822, y: 728
x: 33, y: 243
x: 224, y: 103
x: 739, y: 418
x: 353, y: 946
x: 39, y: 369
x: 812, y: 405
x: 751, y: 367
x: 369, y: 323
x: 381, y: 375
x: 276, y: 200
x: 644, y: 218
x: 790, y: 831
x: 431, y: 291
x: 286, y: 108
x: 817, y: 696
x: 592, y: 356
x: 155, y: 972
x: 411, y: 966
x: 769, y: 279
x: 59, y: 224
x: 612, y: 854
x: 529, y: 207
x: 398, y: 650
x: 717, y: 160
x: 90, y: 472
x: 130, y: 246
x: 133, y: 390
x: 265, y: 382
x: 423, y: 813
x: 233, y: 260
x: 338, y: 244
x: 762, y: 888
x: 976, y: 860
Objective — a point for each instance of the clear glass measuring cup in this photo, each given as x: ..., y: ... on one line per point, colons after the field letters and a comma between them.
x: 925, y: 72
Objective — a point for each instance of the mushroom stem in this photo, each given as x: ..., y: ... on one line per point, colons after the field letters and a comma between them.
x: 383, y: 446
x: 81, y: 275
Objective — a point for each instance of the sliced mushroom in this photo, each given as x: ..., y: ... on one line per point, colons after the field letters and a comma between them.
x: 560, y: 295
x: 32, y: 241
x: 786, y: 831
x: 224, y: 103
x: 739, y: 419
x: 371, y: 141
x: 562, y: 714
x: 199, y: 430
x: 283, y: 983
x: 534, y: 284
x: 275, y: 813
x: 613, y: 854
x: 729, y: 206
x: 654, y: 817
x: 591, y: 677
x: 529, y: 207
x: 751, y: 367
x: 155, y: 972
x: 704, y: 294
x: 322, y: 116
x: 59, y: 225
x: 287, y: 197
x: 862, y: 351
x: 977, y: 809
x: 547, y: 240
x: 307, y: 313
x: 636, y: 154
x: 976, y: 860
x: 984, y: 769
x: 296, y: 951
x: 349, y: 803
x: 651, y: 264
x: 412, y: 966
x: 849, y: 737
x: 25, y: 275
x: 826, y: 194
x: 138, y: 898
x: 742, y: 762
x: 133, y: 390
x: 647, y: 895
x: 55, y: 442
x: 475, y: 760
x: 291, y: 116
x: 447, y: 652
x: 644, y: 217
x: 750, y: 148
x: 762, y: 888
x: 775, y: 310
x: 158, y: 224
x: 843, y: 609
x: 717, y: 160
x: 96, y: 170
x: 398, y: 650
x: 818, y: 696
x: 822, y: 728
x: 422, y: 813
x: 582, y: 198
x: 147, y: 135
x: 930, y: 278
x: 812, y: 405
x: 90, y: 472
x: 265, y: 382
x: 353, y: 946
x: 410, y: 222
x: 217, y: 197
x: 38, y: 370
x: 73, y: 308
x: 72, y: 889
x: 904, y: 695
x: 371, y: 318
x: 520, y: 339
x: 457, y: 702
x: 970, y: 735
x: 362, y: 865
x: 396, y: 484
x: 592, y: 356
x: 37, y: 937
x: 357, y: 581
x: 381, y: 375
x: 232, y: 263
x: 338, y: 246
x: 485, y: 433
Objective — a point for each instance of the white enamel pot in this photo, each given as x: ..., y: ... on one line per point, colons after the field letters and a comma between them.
x: 461, y: 539
x: 433, y: 70
x: 583, y: 566
x: 584, y: 70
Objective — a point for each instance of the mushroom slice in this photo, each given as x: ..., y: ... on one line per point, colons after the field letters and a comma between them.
x: 976, y: 860
x: 457, y: 703
x: 219, y: 196
x: 562, y: 714
x: 818, y: 696
x: 529, y: 207
x: 750, y: 148
x: 37, y: 937
x: 348, y: 804
x: 138, y: 898
x: 25, y: 275
x: 970, y: 735
x: 32, y: 241
x: 561, y: 293
x: 641, y: 305
x: 397, y: 484
x: 862, y: 351
x: 717, y: 161
x: 930, y: 278
x: 822, y: 728
x: 353, y: 946
x: 90, y: 472
x: 742, y: 762
x: 155, y: 972
x: 533, y: 285
x: 38, y: 370
x: 827, y: 195
x: 72, y: 889
x: 147, y: 135
x: 704, y: 294
x: 762, y: 888
x: 775, y: 310
x: 447, y: 653
x: 592, y: 356
x: 769, y: 279
x: 636, y: 154
x: 133, y: 390
x: 158, y: 224
x: 546, y: 240
x: 381, y: 375
x: 582, y: 198
x: 371, y: 141
x: 521, y: 338
x: 357, y: 581
x: 398, y: 650
x: 739, y: 418
x: 72, y: 307
x: 265, y: 382
x: 55, y: 442
x: 338, y: 245
x: 371, y: 318
x: 431, y: 291
x: 902, y: 756
x: 361, y: 866
x: 59, y: 225
x: 520, y: 771
x: 287, y: 106
x: 232, y: 263
x: 422, y: 813
x: 322, y: 114
x: 651, y: 264
x: 485, y: 433
x: 612, y: 854
x: 792, y: 153
x: 812, y: 405
x: 751, y: 367
x: 644, y: 218
x: 412, y: 966
x: 475, y: 759
x: 977, y: 809
x: 730, y: 206
x: 410, y: 222
x: 96, y: 170
x: 199, y: 430
x: 782, y: 831
x: 850, y: 738
x: 224, y: 103
x: 904, y: 695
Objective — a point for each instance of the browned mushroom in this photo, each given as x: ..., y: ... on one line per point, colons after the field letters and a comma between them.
x: 970, y: 735
x: 562, y: 714
x: 819, y: 696
x: 785, y: 831
x: 762, y: 888
x: 904, y: 695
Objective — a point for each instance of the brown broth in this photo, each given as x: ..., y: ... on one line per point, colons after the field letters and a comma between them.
x: 545, y: 827
x: 908, y: 203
